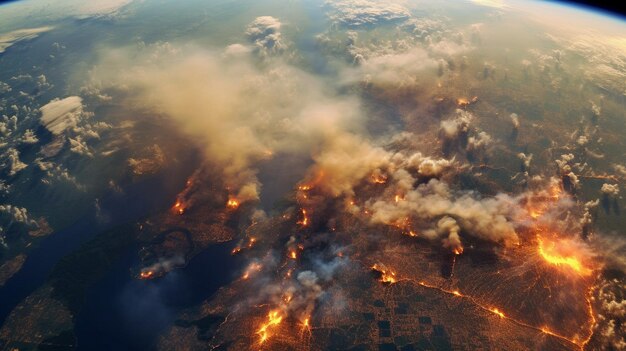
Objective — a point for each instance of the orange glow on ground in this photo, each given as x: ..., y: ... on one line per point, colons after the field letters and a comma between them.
x: 253, y: 267
x: 305, y: 219
x: 146, y: 274
x: 232, y: 203
x: 387, y: 276
x: 179, y: 207
x: 273, y: 319
x: 575, y: 341
x: 251, y: 242
x: 379, y: 179
x: 498, y: 312
x: 552, y: 254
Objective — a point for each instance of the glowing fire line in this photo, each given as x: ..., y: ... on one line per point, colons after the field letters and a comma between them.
x: 498, y: 312
x: 549, y: 254
x: 273, y: 320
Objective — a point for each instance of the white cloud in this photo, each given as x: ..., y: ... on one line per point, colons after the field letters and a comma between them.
x: 60, y: 115
x: 29, y: 137
x: 366, y: 12
x: 10, y: 38
x: 18, y: 214
x: 15, y: 165
x: 610, y: 189
x: 264, y: 31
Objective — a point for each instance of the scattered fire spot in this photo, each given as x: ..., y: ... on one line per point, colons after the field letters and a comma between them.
x: 232, y: 203
x: 253, y: 267
x: 464, y: 102
x: 251, y: 242
x: 146, y: 274
x: 386, y: 275
x: 378, y: 178
x: 179, y: 207
x: 273, y: 320
x: 305, y: 219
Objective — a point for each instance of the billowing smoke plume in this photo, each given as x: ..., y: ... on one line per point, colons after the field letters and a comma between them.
x: 239, y: 112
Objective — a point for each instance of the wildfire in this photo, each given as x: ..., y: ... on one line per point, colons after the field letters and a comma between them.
x: 251, y: 242
x: 287, y: 297
x: 540, y: 203
x: 458, y: 250
x: 386, y: 275
x: 378, y: 178
x: 305, y: 325
x: 560, y: 258
x: 498, y: 312
x: 464, y: 102
x: 293, y: 255
x: 305, y: 219
x: 146, y: 274
x: 544, y: 329
x: 232, y: 203
x: 273, y: 319
x: 178, y: 207
x: 253, y: 267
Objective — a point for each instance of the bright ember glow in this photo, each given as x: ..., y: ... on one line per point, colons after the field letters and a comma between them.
x: 498, y: 312
x: 386, y: 275
x: 232, y: 203
x: 562, y: 257
x: 305, y: 219
x: 273, y: 319
x: 179, y: 207
x: 146, y: 274
x: 378, y: 178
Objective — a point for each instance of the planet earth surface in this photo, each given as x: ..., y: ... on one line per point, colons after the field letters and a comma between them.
x: 312, y: 175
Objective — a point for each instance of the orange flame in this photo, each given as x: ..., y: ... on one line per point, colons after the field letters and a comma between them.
x: 378, y: 178
x: 497, y: 312
x: 293, y: 255
x: 552, y: 255
x: 253, y: 267
x: 251, y: 242
x: 232, y: 203
x: 146, y: 274
x: 179, y: 207
x: 386, y: 275
x: 273, y: 320
x: 305, y: 219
